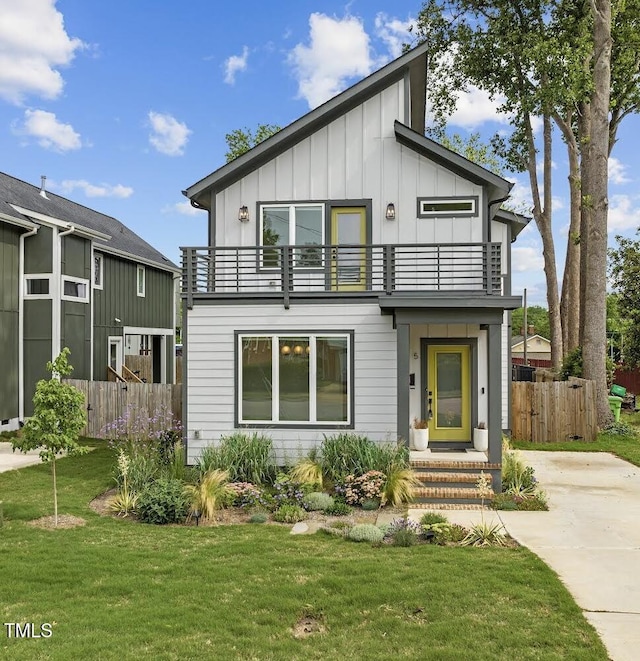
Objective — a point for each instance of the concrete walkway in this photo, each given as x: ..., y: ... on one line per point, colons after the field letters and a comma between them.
x: 590, y: 537
x: 10, y: 460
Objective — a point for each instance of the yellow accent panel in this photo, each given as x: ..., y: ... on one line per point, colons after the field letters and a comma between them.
x: 348, y: 266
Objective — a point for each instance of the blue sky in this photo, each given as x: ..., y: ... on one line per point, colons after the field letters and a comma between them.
x: 124, y: 104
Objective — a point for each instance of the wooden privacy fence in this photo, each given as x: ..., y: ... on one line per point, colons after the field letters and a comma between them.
x: 554, y: 410
x: 107, y: 401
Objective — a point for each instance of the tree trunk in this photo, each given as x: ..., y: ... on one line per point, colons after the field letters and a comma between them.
x: 584, y: 135
x: 55, y: 492
x: 594, y: 347
x: 570, y: 298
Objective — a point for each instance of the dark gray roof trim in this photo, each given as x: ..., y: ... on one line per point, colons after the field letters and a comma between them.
x: 27, y: 197
x: 449, y: 159
x: 315, y: 120
x: 517, y: 221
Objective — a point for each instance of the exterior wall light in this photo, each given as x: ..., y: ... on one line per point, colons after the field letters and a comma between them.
x: 243, y: 214
x: 285, y: 350
x: 391, y: 211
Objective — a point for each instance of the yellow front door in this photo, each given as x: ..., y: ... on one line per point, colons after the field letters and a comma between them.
x: 449, y: 392
x: 348, y: 264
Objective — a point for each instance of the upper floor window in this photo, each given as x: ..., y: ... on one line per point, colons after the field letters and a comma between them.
x: 37, y: 285
x: 429, y: 207
x: 97, y: 270
x: 140, y: 280
x: 294, y: 225
x: 75, y: 289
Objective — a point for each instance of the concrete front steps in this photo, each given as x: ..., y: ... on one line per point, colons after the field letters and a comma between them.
x: 449, y: 479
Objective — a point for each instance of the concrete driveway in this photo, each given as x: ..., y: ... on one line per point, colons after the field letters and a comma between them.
x: 10, y: 460
x: 590, y: 537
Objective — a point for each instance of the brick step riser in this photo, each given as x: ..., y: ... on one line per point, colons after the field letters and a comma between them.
x: 443, y: 507
x: 438, y: 484
x: 441, y: 467
x: 448, y: 501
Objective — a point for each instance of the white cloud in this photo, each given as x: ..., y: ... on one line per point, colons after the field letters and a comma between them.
x: 93, y: 190
x: 394, y: 32
x: 520, y: 197
x: 234, y: 64
x: 48, y: 131
x: 475, y: 107
x: 617, y: 172
x: 169, y: 135
x: 623, y: 215
x: 33, y: 44
x: 526, y: 258
x: 339, y: 49
x: 184, y: 208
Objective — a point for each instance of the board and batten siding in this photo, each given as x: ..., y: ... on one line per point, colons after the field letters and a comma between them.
x: 355, y: 157
x: 211, y: 371
x: 9, y: 323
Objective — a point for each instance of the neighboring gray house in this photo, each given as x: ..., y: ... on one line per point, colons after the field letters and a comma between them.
x: 74, y: 277
x: 358, y: 275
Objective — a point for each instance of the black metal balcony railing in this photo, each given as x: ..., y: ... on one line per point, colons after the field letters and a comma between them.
x: 285, y: 271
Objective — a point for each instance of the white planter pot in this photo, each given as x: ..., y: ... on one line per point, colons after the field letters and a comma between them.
x: 481, y: 439
x: 420, y: 439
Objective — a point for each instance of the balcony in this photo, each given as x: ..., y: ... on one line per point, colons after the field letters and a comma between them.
x: 289, y: 272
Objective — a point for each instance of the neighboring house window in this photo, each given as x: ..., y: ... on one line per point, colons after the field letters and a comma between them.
x: 294, y: 225
x: 140, y: 280
x: 75, y: 289
x: 97, y: 270
x: 37, y: 285
x: 295, y: 378
x: 429, y: 207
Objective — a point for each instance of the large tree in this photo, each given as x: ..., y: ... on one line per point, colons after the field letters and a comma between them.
x: 240, y: 141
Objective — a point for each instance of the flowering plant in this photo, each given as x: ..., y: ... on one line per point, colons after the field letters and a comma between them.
x: 288, y: 492
x: 365, y: 487
x: 247, y: 495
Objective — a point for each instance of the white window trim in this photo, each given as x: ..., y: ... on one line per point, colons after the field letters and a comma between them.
x: 100, y: 284
x: 80, y: 281
x: 426, y: 213
x: 37, y: 276
x: 275, y: 379
x: 141, y: 269
x: 292, y: 229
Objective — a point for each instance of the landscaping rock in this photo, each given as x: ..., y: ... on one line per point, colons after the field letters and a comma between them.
x: 306, y: 528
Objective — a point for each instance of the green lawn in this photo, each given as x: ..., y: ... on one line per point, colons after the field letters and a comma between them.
x: 625, y: 447
x: 116, y: 589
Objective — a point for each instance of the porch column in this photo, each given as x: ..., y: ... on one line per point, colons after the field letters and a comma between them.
x: 494, y: 382
x: 402, y: 386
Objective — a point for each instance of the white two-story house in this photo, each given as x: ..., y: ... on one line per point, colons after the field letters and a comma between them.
x: 358, y: 276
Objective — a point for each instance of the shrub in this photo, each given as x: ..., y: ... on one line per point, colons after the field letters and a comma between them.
x: 535, y: 503
x: 258, y: 517
x: 124, y: 502
x: 404, y: 537
x: 338, y: 509
x: 366, y: 487
x: 289, y: 514
x: 429, y: 518
x: 351, y: 454
x: 211, y: 493
x: 485, y: 534
x: 448, y: 533
x: 144, y: 469
x: 620, y: 429
x: 398, y: 488
x: 370, y: 504
x: 316, y: 501
x: 366, y: 532
x: 247, y: 495
x: 163, y: 502
x: 247, y: 458
x: 517, y: 477
x: 308, y: 471
x: 504, y: 501
x: 287, y: 492
x: 403, y: 532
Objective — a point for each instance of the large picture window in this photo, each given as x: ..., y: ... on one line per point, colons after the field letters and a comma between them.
x: 300, y: 225
x: 294, y: 378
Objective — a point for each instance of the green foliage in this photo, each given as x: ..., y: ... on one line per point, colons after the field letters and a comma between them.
x: 240, y: 141
x: 572, y: 366
x: 211, y: 493
x: 308, y: 471
x: 124, y: 502
x: 258, y: 517
x: 248, y: 457
x: 404, y: 537
x: 370, y: 504
x: 316, y: 501
x: 504, y: 501
x: 472, y: 148
x: 338, y: 509
x: 625, y: 274
x: 620, y: 429
x: 447, y: 533
x: 353, y: 454
x: 289, y: 514
x: 398, y: 488
x: 537, y: 316
x: 517, y: 477
x: 485, y: 534
x: 366, y: 532
x: 58, y: 417
x: 429, y: 518
x: 534, y: 503
x: 162, y: 502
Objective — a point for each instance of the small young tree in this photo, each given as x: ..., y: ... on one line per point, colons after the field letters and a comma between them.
x: 57, y: 419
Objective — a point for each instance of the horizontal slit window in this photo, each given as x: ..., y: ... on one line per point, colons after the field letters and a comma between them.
x: 453, y: 206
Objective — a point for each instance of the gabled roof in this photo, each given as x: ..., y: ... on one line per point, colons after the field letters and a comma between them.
x: 412, y: 63
x: 23, y: 202
x: 499, y: 187
x: 519, y: 339
x: 517, y: 221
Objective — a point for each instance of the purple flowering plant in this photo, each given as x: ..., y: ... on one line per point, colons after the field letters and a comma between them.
x: 247, y: 495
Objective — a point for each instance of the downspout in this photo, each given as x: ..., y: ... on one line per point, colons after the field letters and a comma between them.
x: 56, y: 299
x: 21, y: 293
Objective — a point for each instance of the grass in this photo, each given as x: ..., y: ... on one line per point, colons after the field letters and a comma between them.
x: 236, y: 592
x: 625, y: 447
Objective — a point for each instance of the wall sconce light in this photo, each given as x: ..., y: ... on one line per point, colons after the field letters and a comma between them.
x: 391, y: 211
x: 243, y: 214
x: 298, y: 350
